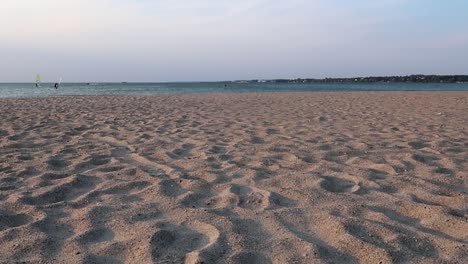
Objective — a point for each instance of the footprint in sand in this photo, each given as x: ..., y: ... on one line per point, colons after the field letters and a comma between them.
x: 217, y: 149
x: 18, y: 136
x: 57, y: 163
x: 94, y: 236
x: 120, y: 190
x: 29, y: 172
x: 7, y: 187
x: 47, y: 179
x: 247, y: 257
x: 376, y: 175
x: 181, y: 153
x: 257, y: 140
x: 237, y: 196
x: 92, y: 162
x: 401, y: 244
x: 336, y: 185
x: 54, y: 176
x: 254, y: 199
x: 25, y: 157
x: 425, y: 158
x: 170, y: 188
x: 112, y: 168
x: 79, y: 185
x: 96, y: 259
x: 308, y: 159
x: 417, y: 199
x: 99, y: 160
x: 6, y: 169
x: 418, y: 144
x: 337, y: 156
x: 442, y: 170
x: 211, y: 250
x: 9, y: 220
x: 4, y: 133
x: 179, y: 244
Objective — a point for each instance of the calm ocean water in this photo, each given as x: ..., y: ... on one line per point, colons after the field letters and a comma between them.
x: 67, y: 89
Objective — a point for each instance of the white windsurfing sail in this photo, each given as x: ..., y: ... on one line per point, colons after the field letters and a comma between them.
x: 38, y: 80
x: 60, y: 81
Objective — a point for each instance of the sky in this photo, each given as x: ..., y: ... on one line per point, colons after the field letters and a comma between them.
x: 212, y: 40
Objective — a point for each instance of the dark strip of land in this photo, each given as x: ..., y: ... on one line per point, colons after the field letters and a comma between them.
x: 385, y: 79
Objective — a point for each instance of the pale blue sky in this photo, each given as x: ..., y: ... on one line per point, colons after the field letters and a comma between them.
x: 206, y: 40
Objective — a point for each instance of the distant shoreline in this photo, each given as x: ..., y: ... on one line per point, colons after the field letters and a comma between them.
x: 416, y: 78
x: 371, y: 79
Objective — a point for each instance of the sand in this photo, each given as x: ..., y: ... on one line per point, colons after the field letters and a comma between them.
x: 235, y: 178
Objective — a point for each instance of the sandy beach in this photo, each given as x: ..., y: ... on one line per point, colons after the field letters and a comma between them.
x: 362, y: 177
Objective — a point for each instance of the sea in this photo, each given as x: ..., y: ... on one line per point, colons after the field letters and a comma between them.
x: 13, y: 90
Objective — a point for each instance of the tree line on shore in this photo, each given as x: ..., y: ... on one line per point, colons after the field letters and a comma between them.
x: 384, y: 79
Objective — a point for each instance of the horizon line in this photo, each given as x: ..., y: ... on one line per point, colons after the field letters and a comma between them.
x: 255, y: 79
